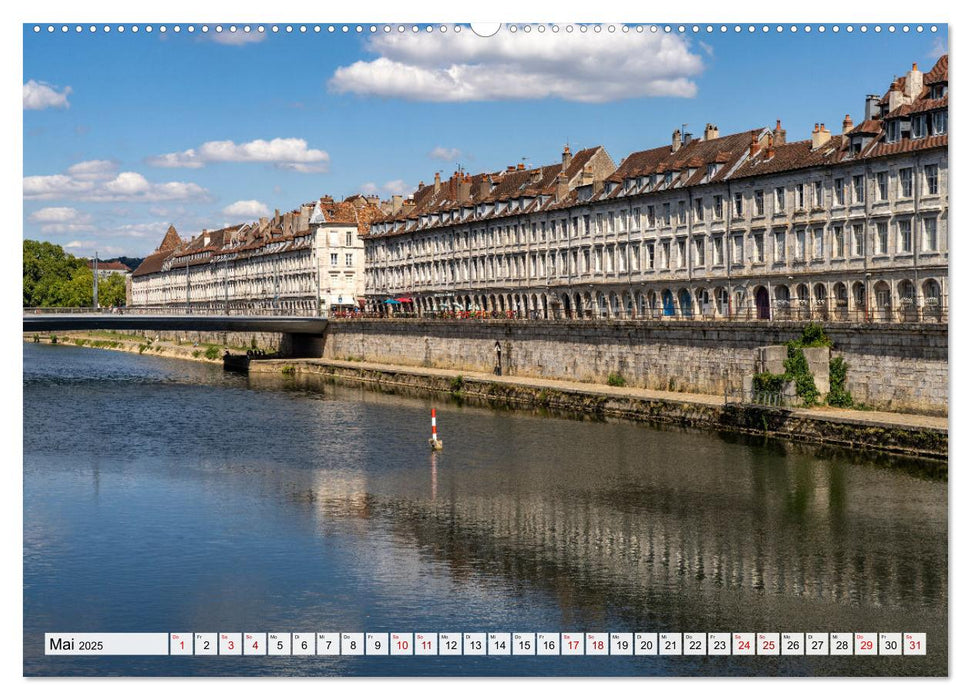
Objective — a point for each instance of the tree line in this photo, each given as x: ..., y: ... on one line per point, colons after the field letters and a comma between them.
x: 55, y: 278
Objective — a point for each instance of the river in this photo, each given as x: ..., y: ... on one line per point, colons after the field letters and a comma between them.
x: 166, y: 496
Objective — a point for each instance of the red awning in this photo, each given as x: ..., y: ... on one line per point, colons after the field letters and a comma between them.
x: 404, y: 300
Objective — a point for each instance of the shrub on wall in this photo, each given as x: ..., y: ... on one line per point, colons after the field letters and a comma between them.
x: 838, y: 395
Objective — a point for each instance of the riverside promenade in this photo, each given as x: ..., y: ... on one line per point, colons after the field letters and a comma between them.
x: 918, y: 435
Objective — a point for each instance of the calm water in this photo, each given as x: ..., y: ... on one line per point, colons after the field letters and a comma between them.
x: 162, y: 496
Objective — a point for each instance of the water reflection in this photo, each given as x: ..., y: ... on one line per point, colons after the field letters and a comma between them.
x: 305, y: 504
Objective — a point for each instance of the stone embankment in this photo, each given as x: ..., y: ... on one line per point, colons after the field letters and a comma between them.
x: 917, y: 435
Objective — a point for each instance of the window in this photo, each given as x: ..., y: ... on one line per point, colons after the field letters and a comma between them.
x: 780, y: 246
x: 636, y: 220
x: 882, y: 186
x: 800, y: 252
x: 758, y: 247
x: 930, y: 178
x: 635, y: 257
x: 759, y: 204
x: 738, y: 249
x: 738, y: 204
x: 664, y: 260
x: 838, y: 242
x: 712, y: 169
x: 817, y: 244
x: 333, y: 259
x: 940, y: 123
x: 667, y: 213
x: 905, y: 243
x: 859, y: 194
x: 700, y: 252
x: 699, y: 209
x: 893, y: 130
x: 929, y: 242
x: 918, y: 126
x: 349, y: 259
x: 650, y: 216
x: 718, y: 206
x: 649, y: 262
x: 906, y: 178
x: 800, y: 197
x: 858, y: 241
x: 780, y: 199
x: 682, y: 253
x: 349, y: 240
x: 682, y: 213
x: 598, y: 257
x: 717, y: 250
x: 880, y: 242
x: 818, y: 193
x: 839, y: 191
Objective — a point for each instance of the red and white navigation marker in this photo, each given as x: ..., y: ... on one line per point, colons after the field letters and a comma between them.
x: 435, y: 443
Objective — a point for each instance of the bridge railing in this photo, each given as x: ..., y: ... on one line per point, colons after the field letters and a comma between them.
x: 214, y: 310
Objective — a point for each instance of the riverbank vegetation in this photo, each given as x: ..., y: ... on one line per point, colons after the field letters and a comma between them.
x: 55, y: 278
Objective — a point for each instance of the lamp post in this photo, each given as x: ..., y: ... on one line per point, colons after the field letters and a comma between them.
x: 95, y: 291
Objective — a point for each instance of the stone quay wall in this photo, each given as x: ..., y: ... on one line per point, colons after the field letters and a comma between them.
x: 898, y: 367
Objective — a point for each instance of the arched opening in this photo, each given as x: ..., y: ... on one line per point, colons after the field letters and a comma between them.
x: 601, y: 305
x: 667, y: 303
x: 703, y: 298
x: 907, y: 294
x: 685, y: 307
x: 820, y: 302
x: 859, y: 301
x: 641, y: 304
x: 882, y: 301
x: 782, y: 302
x: 762, y: 310
x: 614, y: 305
x: 577, y: 306
x: 933, y: 303
x: 629, y: 311
x: 721, y: 301
x: 841, y: 301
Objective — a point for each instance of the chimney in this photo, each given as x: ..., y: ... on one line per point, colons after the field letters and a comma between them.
x: 438, y: 181
x: 770, y: 149
x: 464, y: 189
x: 675, y: 140
x: 914, y: 84
x: 483, y: 188
x: 521, y: 166
x: 586, y: 178
x: 896, y: 97
x: 396, y: 200
x: 276, y: 217
x: 407, y: 206
x: 821, y: 135
x: 264, y: 222
x: 847, y: 124
x: 754, y: 146
x: 711, y: 132
x: 872, y: 110
x: 567, y: 157
x: 304, y: 222
x: 510, y: 168
x: 779, y: 135
x: 562, y: 187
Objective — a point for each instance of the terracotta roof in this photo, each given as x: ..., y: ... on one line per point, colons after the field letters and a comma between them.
x: 791, y: 156
x: 113, y: 265
x: 870, y: 126
x: 937, y: 74
x: 919, y: 106
x: 878, y: 149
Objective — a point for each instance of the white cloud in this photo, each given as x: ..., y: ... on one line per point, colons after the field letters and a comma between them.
x: 96, y: 181
x: 43, y: 95
x: 237, y: 38
x: 576, y: 66
x: 58, y: 215
x: 388, y: 188
x: 93, y: 170
x: 284, y: 153
x: 938, y: 48
x: 59, y: 220
x: 247, y: 209
x: 446, y: 154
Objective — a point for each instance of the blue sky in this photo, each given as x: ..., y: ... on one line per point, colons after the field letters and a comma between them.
x: 127, y: 133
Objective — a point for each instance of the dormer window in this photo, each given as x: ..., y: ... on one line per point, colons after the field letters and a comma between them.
x: 893, y: 130
x: 940, y: 122
x: 668, y: 176
x: 712, y: 169
x: 938, y: 91
x: 918, y: 126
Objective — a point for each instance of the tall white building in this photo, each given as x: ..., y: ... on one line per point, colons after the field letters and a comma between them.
x: 308, y: 261
x: 851, y: 225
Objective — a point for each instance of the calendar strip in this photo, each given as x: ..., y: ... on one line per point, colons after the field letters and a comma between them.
x: 487, y: 644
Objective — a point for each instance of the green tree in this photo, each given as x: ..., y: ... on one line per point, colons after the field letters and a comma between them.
x: 47, y: 270
x: 111, y: 290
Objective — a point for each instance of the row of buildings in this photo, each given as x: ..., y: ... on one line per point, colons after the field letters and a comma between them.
x: 848, y: 224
